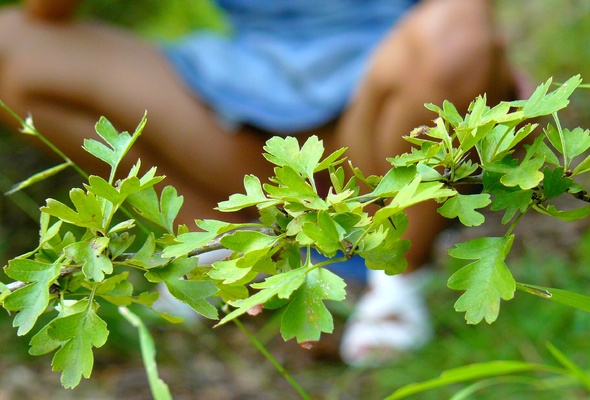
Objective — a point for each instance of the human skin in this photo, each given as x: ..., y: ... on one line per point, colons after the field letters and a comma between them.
x: 67, y: 73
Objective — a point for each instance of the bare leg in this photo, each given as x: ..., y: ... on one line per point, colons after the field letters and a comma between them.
x: 444, y: 49
x: 67, y: 75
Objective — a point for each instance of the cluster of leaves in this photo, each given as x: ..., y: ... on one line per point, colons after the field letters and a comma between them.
x: 83, y: 255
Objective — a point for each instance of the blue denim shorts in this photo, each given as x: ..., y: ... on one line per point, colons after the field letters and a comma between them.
x: 287, y: 65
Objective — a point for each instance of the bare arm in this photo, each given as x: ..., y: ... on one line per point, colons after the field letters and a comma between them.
x: 50, y: 10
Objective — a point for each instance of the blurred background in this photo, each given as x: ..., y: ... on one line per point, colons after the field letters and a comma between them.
x: 545, y: 38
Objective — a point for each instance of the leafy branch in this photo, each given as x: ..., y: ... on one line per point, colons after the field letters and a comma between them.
x: 70, y: 273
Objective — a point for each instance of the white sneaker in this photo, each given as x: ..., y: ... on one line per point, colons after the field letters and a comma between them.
x: 391, y: 317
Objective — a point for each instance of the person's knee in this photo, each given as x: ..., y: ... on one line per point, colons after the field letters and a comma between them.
x: 437, y: 49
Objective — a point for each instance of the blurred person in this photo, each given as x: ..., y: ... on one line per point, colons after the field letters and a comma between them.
x: 354, y: 72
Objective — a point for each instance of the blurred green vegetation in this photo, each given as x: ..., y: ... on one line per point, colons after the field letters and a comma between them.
x: 550, y: 38
x: 153, y: 18
x: 545, y: 38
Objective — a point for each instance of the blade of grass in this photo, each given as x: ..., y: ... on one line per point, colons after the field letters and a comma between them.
x: 470, y: 372
x: 576, y: 371
x: 158, y: 387
x: 579, y: 301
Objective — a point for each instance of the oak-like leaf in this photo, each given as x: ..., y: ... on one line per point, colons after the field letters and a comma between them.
x: 285, y: 151
x: 31, y: 300
x: 486, y: 281
x: 163, y: 211
x: 526, y: 175
x: 88, y: 213
x: 306, y: 316
x: 282, y: 285
x: 464, y: 206
x: 118, y: 144
x: 80, y: 333
x: 254, y: 196
x: 540, y: 103
x: 192, y: 292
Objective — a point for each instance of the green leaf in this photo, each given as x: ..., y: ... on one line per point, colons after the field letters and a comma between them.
x: 576, y: 141
x: 162, y: 212
x: 101, y: 188
x: 526, y: 175
x: 485, y: 281
x: 80, y: 332
x: 146, y: 257
x: 32, y: 299
x: 38, y: 177
x: 282, y: 285
x: 254, y: 196
x: 464, y: 206
x: 502, y: 140
x: 569, y: 215
x: 284, y: 151
x: 464, y: 169
x: 330, y: 161
x: 427, y: 151
x: 294, y: 188
x: 4, y: 292
x: 255, y: 248
x: 554, y: 183
x: 582, y: 167
x: 118, y: 244
x: 247, y: 241
x: 471, y: 134
x: 119, y: 291
x: 393, y: 181
x: 306, y: 316
x: 544, y: 151
x: 383, y: 248
x: 413, y: 193
x: 187, y: 243
x: 42, y: 343
x: 229, y: 272
x: 512, y: 199
x: 326, y: 234
x: 167, y: 317
x: 448, y: 112
x: 541, y: 103
x: 95, y: 264
x: 88, y: 212
x: 467, y: 373
x: 170, y: 204
x: 118, y: 143
x: 192, y: 292
x: 158, y: 387
x: 195, y: 294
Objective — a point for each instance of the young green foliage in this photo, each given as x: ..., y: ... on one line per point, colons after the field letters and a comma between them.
x: 306, y: 317
x: 486, y: 281
x: 31, y: 300
x: 117, y: 144
x: 270, y: 265
x: 78, y: 333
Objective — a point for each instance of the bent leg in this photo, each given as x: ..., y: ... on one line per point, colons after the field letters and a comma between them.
x: 444, y: 49
x: 68, y: 75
